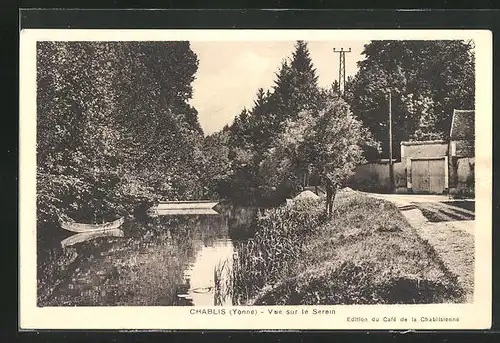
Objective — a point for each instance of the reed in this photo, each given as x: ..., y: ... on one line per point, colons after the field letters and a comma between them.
x: 273, y: 251
x: 222, y: 282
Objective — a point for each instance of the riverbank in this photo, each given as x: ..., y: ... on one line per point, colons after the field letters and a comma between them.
x: 367, y: 253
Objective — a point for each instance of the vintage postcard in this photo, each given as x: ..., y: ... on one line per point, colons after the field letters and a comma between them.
x: 255, y: 179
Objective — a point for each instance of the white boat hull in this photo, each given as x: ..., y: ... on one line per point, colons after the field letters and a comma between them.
x: 172, y: 208
x: 81, y: 228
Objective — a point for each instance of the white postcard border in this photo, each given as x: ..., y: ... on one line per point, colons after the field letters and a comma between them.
x: 472, y: 316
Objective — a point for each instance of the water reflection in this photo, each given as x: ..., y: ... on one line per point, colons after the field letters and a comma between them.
x: 162, y: 262
x: 200, y: 274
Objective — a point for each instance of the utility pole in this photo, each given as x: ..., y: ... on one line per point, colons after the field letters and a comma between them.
x: 341, y: 53
x: 391, y: 166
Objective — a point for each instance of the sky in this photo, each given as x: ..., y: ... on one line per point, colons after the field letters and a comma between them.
x: 229, y: 73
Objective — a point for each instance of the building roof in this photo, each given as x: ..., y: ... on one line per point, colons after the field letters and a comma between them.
x: 462, y: 125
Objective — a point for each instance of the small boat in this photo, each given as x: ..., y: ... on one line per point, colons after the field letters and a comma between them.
x: 202, y: 290
x: 196, y: 204
x: 185, y: 211
x: 81, y: 228
x: 185, y: 296
x: 195, y: 207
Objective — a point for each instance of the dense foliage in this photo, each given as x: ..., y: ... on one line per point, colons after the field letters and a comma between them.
x: 427, y: 80
x: 330, y: 141
x: 272, y: 253
x: 114, y: 127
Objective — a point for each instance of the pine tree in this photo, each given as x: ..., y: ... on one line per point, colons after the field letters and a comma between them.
x: 263, y: 121
x: 296, y: 86
x: 295, y: 91
x: 305, y: 79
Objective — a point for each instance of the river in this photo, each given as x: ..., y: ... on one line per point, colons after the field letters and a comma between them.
x: 165, y: 261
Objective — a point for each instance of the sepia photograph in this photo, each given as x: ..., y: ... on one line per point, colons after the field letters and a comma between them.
x: 220, y: 173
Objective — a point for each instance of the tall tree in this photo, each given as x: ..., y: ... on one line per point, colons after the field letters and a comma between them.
x: 264, y: 121
x: 427, y: 79
x: 257, y: 134
x: 111, y: 116
x: 218, y: 168
x: 78, y: 149
x: 282, y: 96
x: 296, y: 86
x: 305, y: 79
x: 330, y: 141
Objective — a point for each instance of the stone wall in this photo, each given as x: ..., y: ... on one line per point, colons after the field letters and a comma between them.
x: 423, y: 149
x: 375, y: 177
x: 462, y: 176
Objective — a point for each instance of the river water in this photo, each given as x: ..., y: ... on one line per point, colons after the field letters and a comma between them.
x: 166, y: 261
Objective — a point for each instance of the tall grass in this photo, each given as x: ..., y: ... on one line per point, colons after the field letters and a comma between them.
x: 223, y: 282
x: 366, y: 254
x: 273, y: 251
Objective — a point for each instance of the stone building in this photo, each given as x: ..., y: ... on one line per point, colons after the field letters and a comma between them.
x: 436, y: 167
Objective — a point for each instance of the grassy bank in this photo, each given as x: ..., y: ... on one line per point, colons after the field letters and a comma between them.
x: 367, y: 253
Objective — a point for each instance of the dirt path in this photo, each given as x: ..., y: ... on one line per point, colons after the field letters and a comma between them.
x: 452, y: 239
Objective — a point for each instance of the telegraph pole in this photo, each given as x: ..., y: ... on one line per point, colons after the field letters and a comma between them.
x: 391, y: 166
x: 341, y: 53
